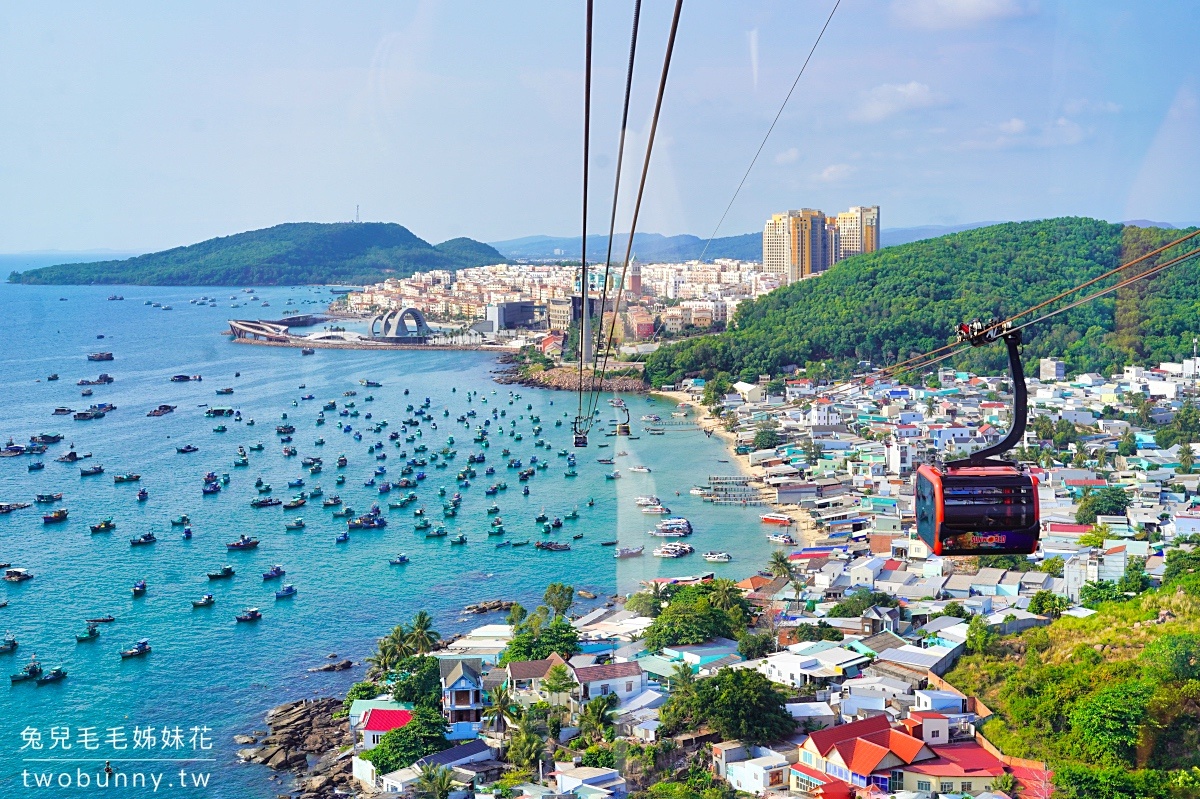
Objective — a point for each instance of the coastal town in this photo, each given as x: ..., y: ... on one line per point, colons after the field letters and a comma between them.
x: 827, y: 671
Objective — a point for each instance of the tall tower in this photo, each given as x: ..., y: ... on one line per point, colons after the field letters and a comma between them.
x: 858, y: 230
x: 794, y: 245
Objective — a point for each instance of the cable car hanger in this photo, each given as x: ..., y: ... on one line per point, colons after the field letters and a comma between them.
x: 980, y: 334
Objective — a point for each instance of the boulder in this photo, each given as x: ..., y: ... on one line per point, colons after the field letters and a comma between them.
x: 244, y: 740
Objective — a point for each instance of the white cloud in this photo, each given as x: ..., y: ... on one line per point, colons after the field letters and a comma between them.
x: 834, y: 173
x: 939, y: 15
x: 1013, y: 127
x: 753, y: 38
x: 1081, y: 106
x: 788, y: 156
x: 890, y: 99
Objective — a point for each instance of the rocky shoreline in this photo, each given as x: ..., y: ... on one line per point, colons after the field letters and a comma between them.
x: 563, y: 378
x: 305, y: 739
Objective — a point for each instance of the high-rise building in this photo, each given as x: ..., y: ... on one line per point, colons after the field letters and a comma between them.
x: 794, y: 245
x: 858, y: 231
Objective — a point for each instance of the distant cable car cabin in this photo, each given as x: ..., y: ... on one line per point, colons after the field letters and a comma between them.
x: 982, y: 505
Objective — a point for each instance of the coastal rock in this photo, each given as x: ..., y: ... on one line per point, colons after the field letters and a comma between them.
x: 302, y: 733
x: 341, y: 665
x: 489, y: 606
x: 585, y: 594
x: 244, y: 740
x: 566, y: 379
x: 247, y: 754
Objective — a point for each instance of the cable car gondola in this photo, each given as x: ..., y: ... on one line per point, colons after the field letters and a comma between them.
x: 982, y: 505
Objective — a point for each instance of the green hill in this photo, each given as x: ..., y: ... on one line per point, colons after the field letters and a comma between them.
x: 1111, y: 701
x: 293, y: 253
x: 905, y: 300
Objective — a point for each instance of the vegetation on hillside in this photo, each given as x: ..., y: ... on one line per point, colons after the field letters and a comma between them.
x: 1111, y: 701
x: 901, y: 301
x: 288, y: 254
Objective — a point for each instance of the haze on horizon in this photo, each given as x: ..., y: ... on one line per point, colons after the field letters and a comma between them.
x: 136, y: 127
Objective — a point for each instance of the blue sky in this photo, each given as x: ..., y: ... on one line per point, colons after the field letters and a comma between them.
x: 139, y: 126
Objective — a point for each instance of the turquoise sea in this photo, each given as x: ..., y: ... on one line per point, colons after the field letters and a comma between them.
x: 206, y: 670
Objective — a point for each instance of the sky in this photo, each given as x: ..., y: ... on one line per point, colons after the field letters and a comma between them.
x: 140, y: 126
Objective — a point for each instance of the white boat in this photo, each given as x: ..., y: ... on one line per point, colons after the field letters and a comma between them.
x: 656, y: 509
x: 673, y: 549
x: 678, y: 415
x: 675, y: 523
x: 781, y: 538
x: 700, y: 491
x: 640, y: 469
x: 668, y: 533
x: 647, y: 500
x: 628, y: 552
x: 717, y: 557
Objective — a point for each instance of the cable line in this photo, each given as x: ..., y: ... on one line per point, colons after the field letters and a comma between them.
x: 584, y: 336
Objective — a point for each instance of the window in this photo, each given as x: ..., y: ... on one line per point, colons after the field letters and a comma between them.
x: 604, y: 690
x: 938, y: 733
x: 966, y: 786
x: 807, y: 756
x: 896, y: 783
x: 923, y: 785
x: 946, y: 787
x: 629, y: 686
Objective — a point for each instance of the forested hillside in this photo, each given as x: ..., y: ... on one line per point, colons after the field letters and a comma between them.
x: 289, y: 254
x: 901, y: 301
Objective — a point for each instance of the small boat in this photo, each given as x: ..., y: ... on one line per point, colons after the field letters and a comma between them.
x: 295, y: 524
x: 257, y: 447
x: 781, y: 538
x: 63, y: 411
x: 333, y: 501
x: 224, y: 391
x: 54, y: 675
x: 126, y: 478
x: 49, y: 497
x: 577, y: 536
x: 640, y: 469
x: 137, y: 650
x: 776, y: 518
x: 31, y: 671
x: 9, y: 644
x: 295, y: 502
x: 203, y: 602
x: 244, y: 542
x: 399, y: 560
x: 220, y: 429
x: 101, y: 620
x: 288, y: 590
x: 223, y: 574
x: 249, y: 614
x: 143, y: 495
x: 91, y: 471
x: 717, y: 557
x: 139, y: 588
x: 55, y: 516
x: 181, y: 521
x: 187, y: 448
x: 143, y: 540
x: 459, y: 539
x: 36, y: 466
x: 342, y: 538
x: 307, y: 351
x: 296, y: 483
x: 92, y: 633
x: 521, y: 543
x: 274, y: 572
x: 103, y: 526
x: 615, y: 475
x: 626, y: 552
x: 673, y: 549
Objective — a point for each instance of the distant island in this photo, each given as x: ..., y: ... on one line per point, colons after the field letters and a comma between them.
x: 288, y: 254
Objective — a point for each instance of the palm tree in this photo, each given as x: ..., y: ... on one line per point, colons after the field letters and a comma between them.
x: 779, y: 565
x: 683, y: 681
x: 389, y: 651
x: 422, y: 637
x: 597, y: 716
x: 723, y: 593
x: 502, y: 711
x: 527, y: 746
x: 798, y: 585
x: 434, y: 782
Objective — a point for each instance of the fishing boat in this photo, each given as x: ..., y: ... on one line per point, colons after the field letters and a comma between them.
x: 54, y: 675
x: 36, y: 466
x: 498, y: 530
x: 103, y: 526
x: 265, y: 502
x: 143, y: 540
x: 224, y: 392
x: 9, y: 507
x: 459, y: 539
x: 257, y: 447
x: 613, y: 475
x: 220, y: 429
x: 342, y: 538
x: 63, y: 411
x: 161, y: 410
x: 249, y: 614
x: 143, y: 495
x: 181, y: 521
x: 399, y: 560
x: 625, y: 552
x: 139, y: 588
x: 129, y: 477
x: 640, y: 469
x: 552, y: 546
x: 556, y: 522
x: 288, y: 590
x: 439, y: 532
x: 503, y: 544
x: 224, y: 573
x: 274, y: 572
x: 55, y: 516
x: 203, y: 602
x: 717, y: 557
x: 92, y: 633
x: 295, y: 502
x: 294, y: 524
x: 101, y: 620
x: 244, y: 542
x: 307, y: 351
x: 30, y: 671
x: 334, y: 501
x: 91, y: 471
x: 137, y: 650
x: 49, y: 497
x: 524, y: 543
x: 9, y: 643
x: 187, y: 448
x: 781, y: 538
x: 776, y: 518
x: 296, y: 483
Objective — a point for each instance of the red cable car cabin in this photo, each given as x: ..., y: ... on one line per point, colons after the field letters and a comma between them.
x: 977, y: 510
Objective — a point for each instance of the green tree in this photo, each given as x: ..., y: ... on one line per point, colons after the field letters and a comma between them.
x: 502, y: 711
x: 779, y: 565
x: 1053, y: 566
x: 421, y: 635
x: 756, y: 645
x: 645, y: 604
x: 1094, y: 593
x: 434, y: 782
x: 1005, y: 783
x: 360, y: 690
x: 389, y: 651
x: 1106, y: 725
x: 424, y: 734
x: 417, y: 681
x: 688, y: 623
x: 557, y: 636
x: 1047, y: 603
x: 1127, y: 446
x: 1180, y: 564
x: 1134, y: 580
x: 596, y: 756
x: 597, y: 717
x: 516, y: 615
x: 1108, y: 501
x: 766, y: 438
x: 1174, y: 657
x: 854, y: 603
x: 723, y: 593
x: 557, y: 682
x: 559, y: 597
x: 979, y: 635
x: 1187, y: 459
x: 742, y: 704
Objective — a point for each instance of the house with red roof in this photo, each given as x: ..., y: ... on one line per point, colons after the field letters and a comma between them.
x: 862, y: 753
x: 378, y: 722
x: 957, y: 768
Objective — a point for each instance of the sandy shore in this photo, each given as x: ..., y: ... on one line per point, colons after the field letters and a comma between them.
x: 804, y: 530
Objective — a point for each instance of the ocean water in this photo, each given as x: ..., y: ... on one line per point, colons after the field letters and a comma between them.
x: 208, y: 672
